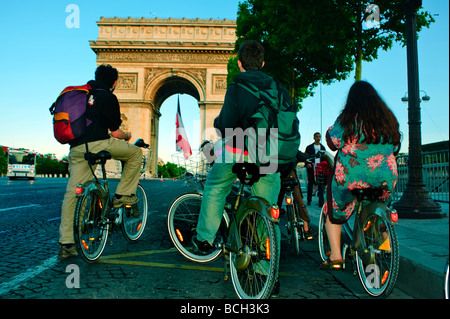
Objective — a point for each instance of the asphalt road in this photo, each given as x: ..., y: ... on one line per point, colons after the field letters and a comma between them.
x: 150, y: 268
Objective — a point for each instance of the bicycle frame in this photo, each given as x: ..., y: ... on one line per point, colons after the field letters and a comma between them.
x: 231, y: 233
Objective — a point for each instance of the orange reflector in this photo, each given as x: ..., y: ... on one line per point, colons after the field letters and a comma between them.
x: 180, y: 237
x: 100, y: 203
x: 368, y: 225
x: 85, y: 245
x: 275, y: 212
x: 267, y: 248
x: 139, y: 226
x: 328, y: 253
x: 289, y: 200
x: 385, y: 277
x: 386, y: 245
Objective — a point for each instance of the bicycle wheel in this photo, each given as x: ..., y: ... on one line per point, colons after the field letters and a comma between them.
x: 254, y: 270
x: 293, y: 227
x: 324, y: 244
x: 90, y: 231
x: 446, y: 282
x: 135, y: 219
x: 182, y: 223
x: 378, y: 266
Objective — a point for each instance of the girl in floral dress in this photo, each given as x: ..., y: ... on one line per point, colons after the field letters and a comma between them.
x: 366, y: 137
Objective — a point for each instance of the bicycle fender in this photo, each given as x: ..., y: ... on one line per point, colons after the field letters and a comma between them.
x: 257, y: 203
x: 92, y: 186
x: 379, y: 209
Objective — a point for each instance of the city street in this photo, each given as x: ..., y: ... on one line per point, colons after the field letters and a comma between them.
x: 150, y: 268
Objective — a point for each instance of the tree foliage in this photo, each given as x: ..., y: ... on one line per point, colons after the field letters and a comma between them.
x: 170, y: 170
x: 312, y: 41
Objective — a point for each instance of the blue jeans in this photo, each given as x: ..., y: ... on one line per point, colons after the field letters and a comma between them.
x: 218, y: 186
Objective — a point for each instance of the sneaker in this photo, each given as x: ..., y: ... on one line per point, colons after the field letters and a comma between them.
x: 201, y: 247
x: 125, y: 200
x: 67, y: 250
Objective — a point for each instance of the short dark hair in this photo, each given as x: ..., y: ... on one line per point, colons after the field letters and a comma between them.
x: 251, y: 55
x: 106, y: 74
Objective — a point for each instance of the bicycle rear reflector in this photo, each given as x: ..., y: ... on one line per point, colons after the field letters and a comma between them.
x: 289, y: 200
x: 179, y: 235
x: 275, y: 212
x: 394, y: 216
x: 78, y: 189
x: 139, y: 227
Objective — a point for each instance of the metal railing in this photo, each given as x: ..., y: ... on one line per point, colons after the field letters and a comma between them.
x: 435, y: 169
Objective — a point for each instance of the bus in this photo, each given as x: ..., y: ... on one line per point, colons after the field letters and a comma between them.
x: 21, y: 164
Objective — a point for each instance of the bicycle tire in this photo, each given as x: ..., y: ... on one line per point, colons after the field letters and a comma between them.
x: 255, y: 278
x: 182, y: 221
x: 293, y: 228
x: 324, y: 244
x: 378, y: 269
x: 134, y: 220
x: 446, y: 287
x: 90, y: 232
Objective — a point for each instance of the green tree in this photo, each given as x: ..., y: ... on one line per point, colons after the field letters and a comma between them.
x: 3, y: 161
x: 388, y: 27
x: 312, y: 41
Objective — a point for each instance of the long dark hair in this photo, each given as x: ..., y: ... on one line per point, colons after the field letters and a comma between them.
x: 366, y: 113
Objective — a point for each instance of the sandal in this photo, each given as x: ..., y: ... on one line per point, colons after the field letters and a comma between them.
x: 332, y: 264
x: 308, y: 234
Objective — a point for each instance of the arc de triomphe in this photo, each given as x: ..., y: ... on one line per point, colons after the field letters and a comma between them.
x: 157, y: 58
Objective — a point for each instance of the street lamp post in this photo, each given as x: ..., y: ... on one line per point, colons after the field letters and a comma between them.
x: 415, y: 201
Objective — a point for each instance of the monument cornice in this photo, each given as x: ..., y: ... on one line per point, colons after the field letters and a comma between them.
x: 127, y: 45
x: 165, y: 33
x: 163, y: 21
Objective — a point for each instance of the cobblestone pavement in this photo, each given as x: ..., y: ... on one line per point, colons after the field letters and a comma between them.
x: 150, y: 268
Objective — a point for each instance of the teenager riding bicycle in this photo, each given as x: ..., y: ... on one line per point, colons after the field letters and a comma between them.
x: 104, y: 112
x: 290, y: 174
x: 238, y: 106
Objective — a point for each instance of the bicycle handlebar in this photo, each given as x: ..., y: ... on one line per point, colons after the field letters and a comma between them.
x: 323, y: 155
x: 140, y: 143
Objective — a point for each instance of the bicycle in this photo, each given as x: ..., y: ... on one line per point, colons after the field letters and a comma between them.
x: 246, y: 238
x: 373, y: 247
x: 295, y: 224
x: 95, y: 215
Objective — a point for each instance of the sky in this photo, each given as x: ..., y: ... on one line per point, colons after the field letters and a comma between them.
x: 41, y: 54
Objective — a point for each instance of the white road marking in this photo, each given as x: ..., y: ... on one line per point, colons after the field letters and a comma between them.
x: 28, y: 274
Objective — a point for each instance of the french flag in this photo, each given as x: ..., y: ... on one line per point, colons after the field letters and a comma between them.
x: 182, y: 140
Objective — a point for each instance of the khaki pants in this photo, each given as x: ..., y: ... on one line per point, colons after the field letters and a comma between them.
x: 80, y: 173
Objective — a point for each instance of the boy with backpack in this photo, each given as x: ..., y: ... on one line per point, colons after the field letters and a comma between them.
x: 240, y: 108
x: 102, y: 115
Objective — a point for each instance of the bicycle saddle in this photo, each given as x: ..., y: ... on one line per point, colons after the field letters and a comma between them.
x: 371, y: 194
x: 247, y: 173
x: 101, y: 156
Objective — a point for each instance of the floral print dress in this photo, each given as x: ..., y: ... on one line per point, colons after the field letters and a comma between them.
x: 358, y: 165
